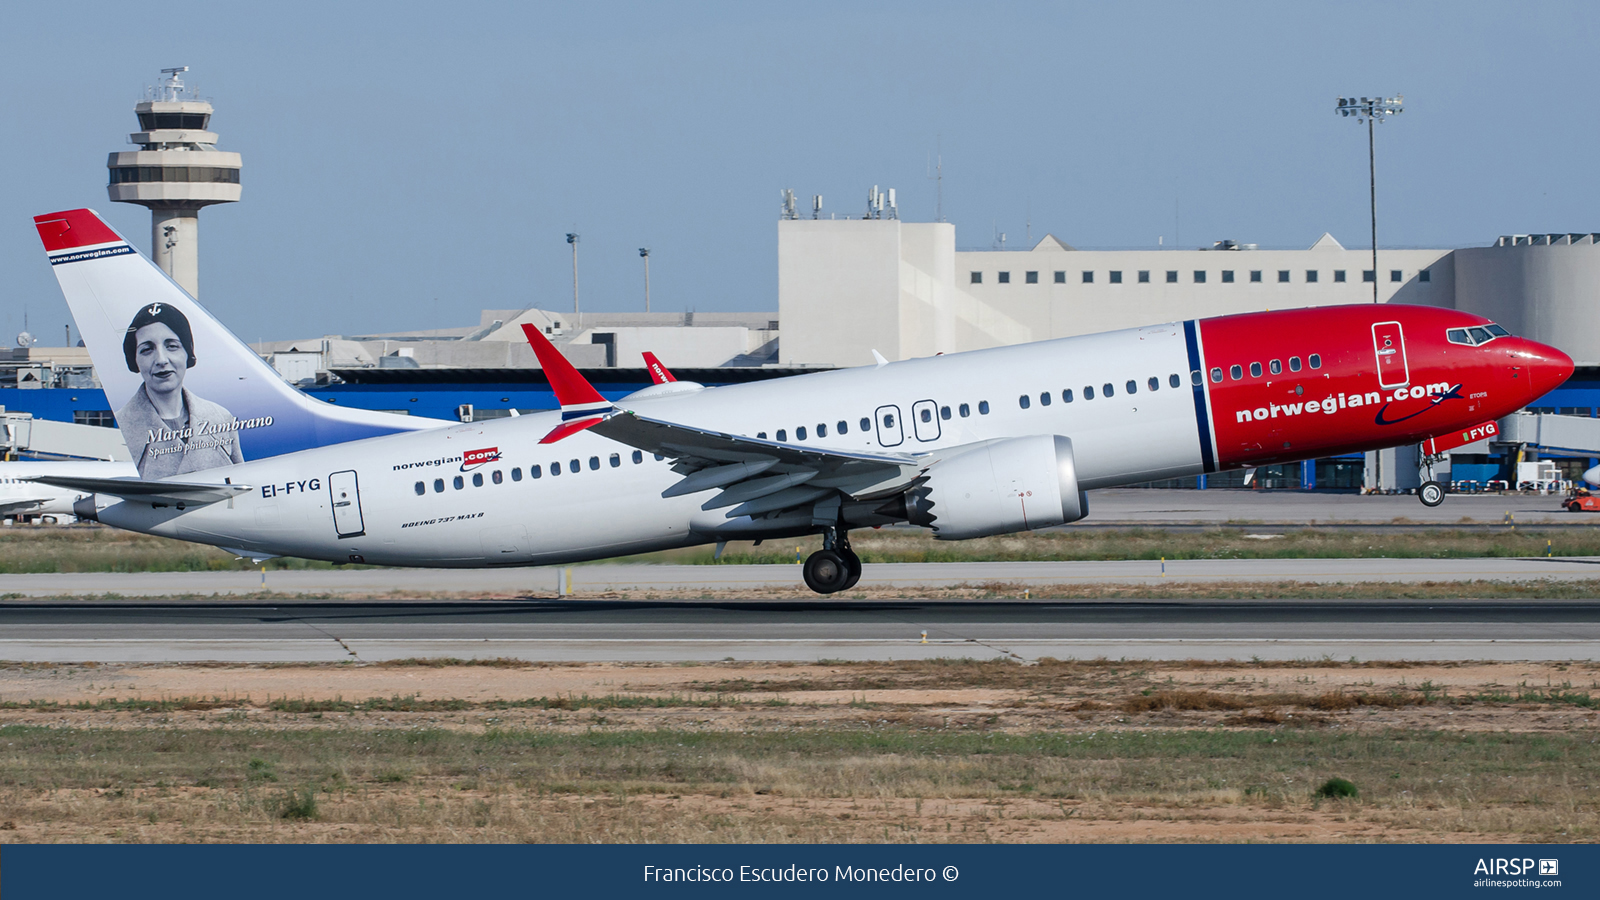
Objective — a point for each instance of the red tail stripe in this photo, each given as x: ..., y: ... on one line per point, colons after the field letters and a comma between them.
x: 571, y: 388
x: 73, y: 228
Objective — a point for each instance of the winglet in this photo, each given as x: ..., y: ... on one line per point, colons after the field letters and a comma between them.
x: 581, y: 404
x: 658, y: 372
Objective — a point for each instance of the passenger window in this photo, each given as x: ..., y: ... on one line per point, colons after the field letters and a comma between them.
x: 1066, y: 395
x: 1315, y: 360
x: 965, y: 410
x: 516, y: 474
x: 498, y: 477
x: 1294, y: 363
x: 927, y: 415
x: 1106, y: 390
x: 477, y: 479
x: 421, y: 488
x: 658, y: 457
x: 536, y: 471
x: 594, y: 463
x: 1088, y: 392
x: 1216, y: 375
x: 1044, y: 399
x: 460, y: 483
x: 1155, y: 383
x: 438, y: 485
x: 1132, y: 386
x: 1275, y: 367
x: 888, y: 420
x: 843, y: 426
x: 944, y: 413
x: 783, y: 434
x: 983, y: 407
x: 1255, y: 370
x: 761, y: 435
x: 1175, y: 381
x: 616, y: 460
x: 1235, y: 372
x: 1023, y: 401
x: 866, y: 424
x: 822, y: 430
x: 800, y: 433
x: 555, y: 468
x: 638, y: 457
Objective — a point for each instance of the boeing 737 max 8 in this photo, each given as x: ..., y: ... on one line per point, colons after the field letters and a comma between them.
x: 968, y: 444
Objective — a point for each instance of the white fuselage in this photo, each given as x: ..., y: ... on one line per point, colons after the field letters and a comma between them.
x: 379, y: 500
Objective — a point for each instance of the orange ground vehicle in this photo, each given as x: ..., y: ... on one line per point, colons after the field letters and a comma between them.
x: 1581, y: 500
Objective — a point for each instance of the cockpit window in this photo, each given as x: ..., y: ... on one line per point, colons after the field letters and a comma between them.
x: 1476, y: 335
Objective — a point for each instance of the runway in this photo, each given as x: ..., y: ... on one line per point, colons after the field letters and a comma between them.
x: 549, y: 582
x: 555, y: 631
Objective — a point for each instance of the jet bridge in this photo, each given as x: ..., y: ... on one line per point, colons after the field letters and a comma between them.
x: 23, y: 435
x: 1550, y: 433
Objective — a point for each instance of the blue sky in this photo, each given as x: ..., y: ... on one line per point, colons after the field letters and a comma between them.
x: 406, y: 164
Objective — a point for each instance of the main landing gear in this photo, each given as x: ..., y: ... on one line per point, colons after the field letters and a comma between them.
x: 835, y: 567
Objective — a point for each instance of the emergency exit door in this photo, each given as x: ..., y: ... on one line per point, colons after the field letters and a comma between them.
x: 346, y: 499
x: 1389, y: 343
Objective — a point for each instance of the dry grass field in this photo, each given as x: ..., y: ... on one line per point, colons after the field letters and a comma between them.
x: 95, y: 548
x: 894, y: 752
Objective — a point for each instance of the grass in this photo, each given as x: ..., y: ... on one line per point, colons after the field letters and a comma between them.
x: 816, y: 784
x: 94, y: 548
x: 908, y: 545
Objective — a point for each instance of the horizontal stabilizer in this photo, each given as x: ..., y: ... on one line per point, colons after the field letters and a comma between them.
x: 147, y: 491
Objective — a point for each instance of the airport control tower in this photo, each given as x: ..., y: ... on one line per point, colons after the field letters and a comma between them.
x: 176, y: 170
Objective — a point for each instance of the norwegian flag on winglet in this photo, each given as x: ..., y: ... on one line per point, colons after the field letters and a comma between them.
x: 581, y: 405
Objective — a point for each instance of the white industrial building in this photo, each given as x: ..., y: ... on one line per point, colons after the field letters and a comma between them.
x: 848, y: 287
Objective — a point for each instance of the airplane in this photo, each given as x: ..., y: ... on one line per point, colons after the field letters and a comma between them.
x: 22, y: 498
x: 966, y: 444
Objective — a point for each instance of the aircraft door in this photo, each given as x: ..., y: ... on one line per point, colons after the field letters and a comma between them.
x: 887, y: 420
x: 346, y: 499
x: 925, y: 420
x: 1388, y: 341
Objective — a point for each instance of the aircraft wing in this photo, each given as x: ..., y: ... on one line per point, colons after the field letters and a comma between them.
x: 164, y: 492
x: 753, y: 476
x: 15, y: 506
x: 757, y: 476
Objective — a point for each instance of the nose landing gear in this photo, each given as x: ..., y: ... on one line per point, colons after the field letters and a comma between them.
x: 835, y: 567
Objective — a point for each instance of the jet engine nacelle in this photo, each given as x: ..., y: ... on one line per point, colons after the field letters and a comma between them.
x: 998, y: 487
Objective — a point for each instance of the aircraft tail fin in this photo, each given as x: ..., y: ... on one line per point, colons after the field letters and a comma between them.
x: 188, y: 394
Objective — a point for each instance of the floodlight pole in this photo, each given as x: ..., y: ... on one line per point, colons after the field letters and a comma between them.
x: 572, y: 238
x: 1370, y: 109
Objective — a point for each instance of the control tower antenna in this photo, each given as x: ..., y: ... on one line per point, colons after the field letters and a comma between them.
x: 176, y: 171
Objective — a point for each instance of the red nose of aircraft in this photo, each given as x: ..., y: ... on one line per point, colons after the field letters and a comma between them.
x: 1547, y: 367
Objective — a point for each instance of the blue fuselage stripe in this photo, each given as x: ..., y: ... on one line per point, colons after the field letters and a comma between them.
x: 1202, y: 421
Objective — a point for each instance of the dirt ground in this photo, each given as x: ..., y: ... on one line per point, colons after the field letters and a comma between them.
x: 1108, y: 798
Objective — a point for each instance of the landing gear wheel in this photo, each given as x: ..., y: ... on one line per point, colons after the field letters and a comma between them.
x: 852, y: 564
x: 1431, y: 493
x: 826, y: 572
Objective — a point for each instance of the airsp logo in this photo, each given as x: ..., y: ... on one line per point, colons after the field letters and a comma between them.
x: 1501, y: 866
